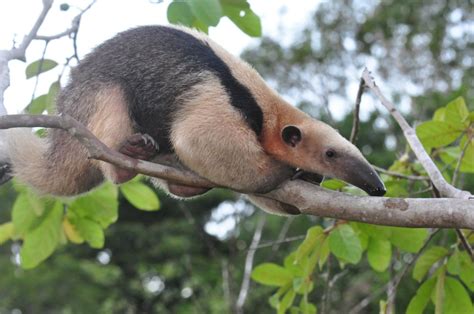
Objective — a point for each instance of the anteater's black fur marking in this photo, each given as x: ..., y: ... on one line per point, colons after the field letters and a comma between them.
x: 154, y: 65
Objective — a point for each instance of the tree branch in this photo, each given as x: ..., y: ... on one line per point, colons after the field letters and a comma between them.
x: 355, y: 119
x: 309, y: 198
x: 435, y: 175
x: 18, y: 53
x: 244, y: 289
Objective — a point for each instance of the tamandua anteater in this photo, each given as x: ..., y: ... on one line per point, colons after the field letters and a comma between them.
x: 175, y: 89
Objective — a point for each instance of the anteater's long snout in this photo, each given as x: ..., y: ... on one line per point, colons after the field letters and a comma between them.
x: 362, y: 175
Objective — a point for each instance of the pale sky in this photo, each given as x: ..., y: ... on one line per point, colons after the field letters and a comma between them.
x: 108, y: 17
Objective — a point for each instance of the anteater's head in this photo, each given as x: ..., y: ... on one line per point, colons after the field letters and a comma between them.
x: 316, y: 147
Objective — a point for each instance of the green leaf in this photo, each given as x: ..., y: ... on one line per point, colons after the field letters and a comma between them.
x: 426, y: 260
x: 71, y: 232
x: 456, y: 298
x: 180, y: 13
x: 373, y: 230
x: 333, y: 184
x: 437, y: 133
x: 296, y: 269
x: 307, y: 308
x: 471, y: 117
x: 271, y: 275
x: 208, y: 12
x: 6, y: 232
x: 408, y: 239
x: 467, y: 270
x: 439, y: 114
x: 467, y: 163
x: 140, y: 195
x: 100, y: 205
x: 40, y: 66
x: 244, y: 18
x: 419, y: 302
x: 40, y: 242
x: 439, y: 292
x: 454, y: 263
x: 451, y: 155
x: 324, y: 254
x: 89, y: 230
x: 51, y: 97
x: 313, y: 236
x: 286, y: 301
x: 26, y: 211
x: 37, y: 105
x: 345, y: 245
x: 457, y: 114
x: 379, y: 254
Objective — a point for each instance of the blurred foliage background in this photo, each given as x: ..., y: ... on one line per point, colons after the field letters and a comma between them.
x: 173, y: 260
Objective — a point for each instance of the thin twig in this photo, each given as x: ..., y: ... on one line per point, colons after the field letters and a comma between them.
x: 465, y: 243
x: 399, y: 277
x: 461, y: 157
x: 355, y: 120
x: 400, y: 175
x: 73, y: 29
x: 282, y: 234
x: 19, y: 53
x: 244, y: 289
x: 40, y: 68
x: 272, y: 243
x: 226, y: 284
x: 432, y: 170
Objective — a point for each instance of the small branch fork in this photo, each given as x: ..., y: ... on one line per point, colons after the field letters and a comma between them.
x: 446, y: 189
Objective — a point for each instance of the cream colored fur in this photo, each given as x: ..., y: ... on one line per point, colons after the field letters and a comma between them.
x: 212, y: 138
x: 27, y: 154
x: 111, y: 124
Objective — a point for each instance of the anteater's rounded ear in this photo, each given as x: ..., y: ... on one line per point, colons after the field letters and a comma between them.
x: 291, y: 135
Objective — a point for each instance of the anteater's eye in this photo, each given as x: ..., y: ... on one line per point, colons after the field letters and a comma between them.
x: 330, y: 153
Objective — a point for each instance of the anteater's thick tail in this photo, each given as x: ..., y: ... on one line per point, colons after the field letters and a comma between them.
x: 56, y: 165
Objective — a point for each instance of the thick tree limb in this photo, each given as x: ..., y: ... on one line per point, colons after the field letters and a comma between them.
x: 406, y: 212
x: 435, y: 175
x: 310, y: 199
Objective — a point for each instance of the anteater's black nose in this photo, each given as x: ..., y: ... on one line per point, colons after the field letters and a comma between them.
x: 377, y: 191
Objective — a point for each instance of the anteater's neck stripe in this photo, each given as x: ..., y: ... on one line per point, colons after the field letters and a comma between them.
x: 240, y: 96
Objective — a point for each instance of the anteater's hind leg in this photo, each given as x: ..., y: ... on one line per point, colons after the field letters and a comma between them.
x: 138, y: 146
x: 175, y: 189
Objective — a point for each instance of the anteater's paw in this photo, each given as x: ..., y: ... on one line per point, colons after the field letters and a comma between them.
x: 140, y: 146
x: 310, y: 177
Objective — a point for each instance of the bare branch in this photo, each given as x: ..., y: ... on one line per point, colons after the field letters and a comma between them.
x: 465, y: 244
x: 71, y: 30
x: 19, y: 53
x: 461, y: 157
x: 355, y: 120
x: 400, y: 175
x: 244, y: 289
x: 435, y: 175
x: 403, y: 212
x: 309, y: 198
